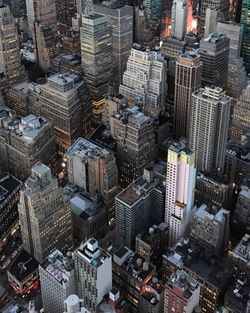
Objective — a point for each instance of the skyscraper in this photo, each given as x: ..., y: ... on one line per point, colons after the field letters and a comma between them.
x: 57, y: 281
x: 94, y: 169
x: 245, y: 20
x: 209, y: 126
x: 180, y: 182
x: 44, y: 215
x: 222, y: 6
x: 241, y: 115
x: 121, y: 20
x: 144, y: 81
x: 93, y: 273
x: 10, y: 62
x: 236, y: 79
x: 179, y: 19
x: 96, y: 50
x: 135, y: 137
x: 214, y: 52
x: 187, y: 80
x: 42, y: 11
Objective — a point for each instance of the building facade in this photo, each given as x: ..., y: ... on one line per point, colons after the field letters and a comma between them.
x: 179, y: 19
x: 245, y: 20
x: 50, y: 226
x: 209, y: 127
x: 180, y: 182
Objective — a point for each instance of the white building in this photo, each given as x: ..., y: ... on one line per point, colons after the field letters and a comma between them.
x: 179, y: 19
x: 57, y: 281
x: 74, y: 305
x: 93, y: 273
x: 180, y: 183
x: 144, y: 81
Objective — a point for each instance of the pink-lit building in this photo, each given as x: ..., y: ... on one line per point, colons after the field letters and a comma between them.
x: 180, y: 186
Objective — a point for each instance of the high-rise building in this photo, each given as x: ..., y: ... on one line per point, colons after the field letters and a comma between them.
x: 142, y: 33
x: 209, y: 126
x: 179, y: 19
x: 241, y: 115
x: 121, y: 20
x: 65, y: 10
x: 96, y: 50
x: 57, y: 281
x: 182, y: 293
x: 93, y: 169
x: 241, y: 216
x: 29, y: 140
x: 144, y: 81
x: 10, y: 61
x: 210, y: 227
x: 84, y: 6
x: 46, y: 47
x: 245, y: 20
x: 71, y: 42
x: 154, y: 10
x: 50, y: 226
x: 187, y: 80
x: 42, y: 11
x: 134, y: 133
x: 138, y: 207
x: 211, y: 21
x: 236, y: 79
x: 10, y: 187
x: 222, y: 6
x: 93, y: 273
x: 180, y: 182
x: 214, y: 53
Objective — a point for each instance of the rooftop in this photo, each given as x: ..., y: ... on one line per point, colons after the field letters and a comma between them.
x: 102, y: 137
x: 242, y: 250
x: 215, y: 38
x: 84, y: 149
x: 152, y: 291
x: 9, y: 187
x: 152, y: 233
x: 187, y: 254
x: 23, y: 266
x: 211, y: 212
x: 132, y: 116
x: 133, y: 264
x: 212, y: 94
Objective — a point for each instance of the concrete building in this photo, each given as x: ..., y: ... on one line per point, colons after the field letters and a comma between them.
x: 121, y: 19
x: 138, y: 207
x: 96, y: 50
x: 42, y: 11
x: 93, y: 273
x: 182, y: 293
x: 172, y: 48
x: 180, y: 182
x: 210, y: 227
x: 179, y: 19
x: 236, y: 79
x: 57, y: 281
x: 50, y: 226
x: 210, y: 21
x: 188, y: 71
x: 130, y: 275
x: 213, y: 190
x: 222, y: 6
x: 241, y: 115
x: 89, y: 215
x: 143, y: 34
x: 29, y: 140
x: 94, y: 169
x: 241, y: 253
x: 144, y: 81
x: 152, y: 297
x: 214, y: 53
x: 72, y: 42
x: 209, y: 128
x: 74, y: 305
x: 65, y: 63
x: 241, y: 216
x: 114, y: 303
x: 10, y: 61
x: 244, y: 19
x: 9, y: 187
x: 135, y: 137
x: 84, y: 6
x: 46, y: 47
x: 213, y: 273
x: 151, y: 244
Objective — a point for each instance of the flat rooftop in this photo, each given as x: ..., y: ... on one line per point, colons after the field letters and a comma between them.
x: 102, y: 138
x: 9, y: 186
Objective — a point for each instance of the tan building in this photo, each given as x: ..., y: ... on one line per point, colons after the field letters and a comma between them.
x: 10, y: 61
x: 44, y: 215
x: 187, y: 80
x: 93, y: 169
x: 25, y: 141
